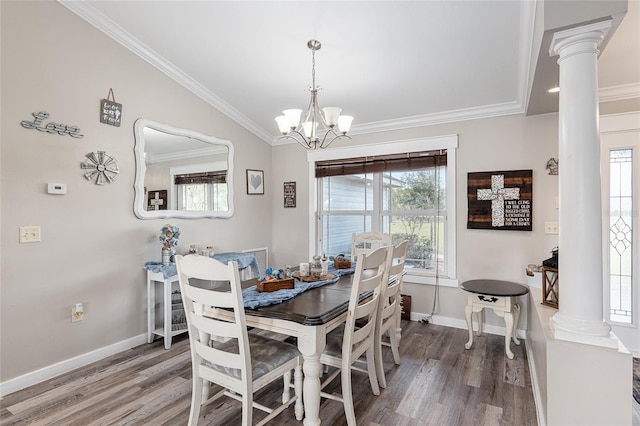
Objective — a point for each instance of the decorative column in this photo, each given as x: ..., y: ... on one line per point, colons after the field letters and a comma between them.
x: 580, y: 317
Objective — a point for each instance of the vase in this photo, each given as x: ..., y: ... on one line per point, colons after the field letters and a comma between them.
x: 166, y: 256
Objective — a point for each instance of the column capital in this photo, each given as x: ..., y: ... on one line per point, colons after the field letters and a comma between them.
x: 596, y: 33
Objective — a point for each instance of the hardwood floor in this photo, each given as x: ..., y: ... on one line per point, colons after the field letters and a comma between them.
x: 438, y: 383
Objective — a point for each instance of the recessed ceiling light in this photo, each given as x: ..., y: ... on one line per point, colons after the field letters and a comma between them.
x: 554, y: 90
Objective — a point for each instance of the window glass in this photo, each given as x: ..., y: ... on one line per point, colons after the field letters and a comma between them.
x: 409, y: 204
x: 621, y: 246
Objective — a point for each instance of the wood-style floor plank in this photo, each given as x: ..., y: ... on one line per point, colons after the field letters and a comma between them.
x: 437, y: 383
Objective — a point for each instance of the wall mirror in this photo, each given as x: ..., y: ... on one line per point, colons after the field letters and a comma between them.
x: 181, y: 173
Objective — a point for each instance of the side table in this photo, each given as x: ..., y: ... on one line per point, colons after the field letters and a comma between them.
x: 165, y: 331
x: 499, y: 296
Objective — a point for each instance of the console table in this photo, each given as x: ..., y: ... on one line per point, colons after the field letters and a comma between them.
x: 166, y: 330
x: 167, y: 275
x: 499, y: 296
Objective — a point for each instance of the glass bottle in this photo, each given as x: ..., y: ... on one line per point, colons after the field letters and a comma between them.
x: 316, y: 267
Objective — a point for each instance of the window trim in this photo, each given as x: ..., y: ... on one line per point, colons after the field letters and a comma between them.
x: 448, y: 142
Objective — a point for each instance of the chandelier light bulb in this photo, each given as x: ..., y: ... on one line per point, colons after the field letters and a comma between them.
x: 344, y: 123
x: 293, y: 117
x: 283, y: 124
x: 331, y: 115
x: 310, y: 129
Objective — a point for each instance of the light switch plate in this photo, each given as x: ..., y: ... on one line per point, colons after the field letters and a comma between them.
x: 551, y: 227
x: 29, y: 234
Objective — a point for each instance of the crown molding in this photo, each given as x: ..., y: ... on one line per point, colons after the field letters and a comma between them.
x: 110, y: 28
x: 619, y: 93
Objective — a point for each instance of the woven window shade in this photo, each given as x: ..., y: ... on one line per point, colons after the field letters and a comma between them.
x: 381, y: 163
x: 199, y: 178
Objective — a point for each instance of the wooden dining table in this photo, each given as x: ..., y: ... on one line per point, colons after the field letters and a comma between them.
x: 309, y: 317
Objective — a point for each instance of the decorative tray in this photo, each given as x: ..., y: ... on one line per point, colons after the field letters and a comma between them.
x: 310, y: 279
x: 274, y: 285
x: 341, y: 264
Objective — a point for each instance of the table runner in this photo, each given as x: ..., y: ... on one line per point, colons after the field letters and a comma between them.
x: 244, y: 260
x: 253, y: 299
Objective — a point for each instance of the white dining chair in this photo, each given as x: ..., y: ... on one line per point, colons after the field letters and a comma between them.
x: 389, y: 309
x: 357, y: 338
x: 366, y: 242
x: 241, y: 363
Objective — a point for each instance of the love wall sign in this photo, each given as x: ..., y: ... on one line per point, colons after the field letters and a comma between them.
x: 500, y: 200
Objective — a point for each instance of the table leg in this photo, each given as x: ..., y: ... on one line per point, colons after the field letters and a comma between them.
x: 468, y: 311
x: 480, y: 321
x: 508, y: 319
x: 311, y: 345
x: 151, y: 311
x: 516, y: 318
x: 167, y: 314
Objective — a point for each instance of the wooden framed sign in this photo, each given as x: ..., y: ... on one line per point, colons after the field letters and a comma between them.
x: 500, y: 200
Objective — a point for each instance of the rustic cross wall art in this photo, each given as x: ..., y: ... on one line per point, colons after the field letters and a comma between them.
x: 500, y: 200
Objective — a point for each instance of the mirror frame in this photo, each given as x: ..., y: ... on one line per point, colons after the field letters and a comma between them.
x: 141, y: 167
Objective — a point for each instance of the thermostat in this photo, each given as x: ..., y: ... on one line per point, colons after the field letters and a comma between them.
x: 57, y: 188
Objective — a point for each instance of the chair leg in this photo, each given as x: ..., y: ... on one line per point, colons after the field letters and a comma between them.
x: 247, y: 409
x: 298, y: 378
x: 286, y: 392
x: 196, y: 400
x: 347, y: 396
x: 371, y: 367
x: 394, y: 340
x: 377, y: 344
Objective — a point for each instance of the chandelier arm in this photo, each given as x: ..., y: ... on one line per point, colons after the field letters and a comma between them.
x: 298, y: 137
x: 334, y: 137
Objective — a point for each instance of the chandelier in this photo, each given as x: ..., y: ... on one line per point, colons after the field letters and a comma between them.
x: 306, y: 133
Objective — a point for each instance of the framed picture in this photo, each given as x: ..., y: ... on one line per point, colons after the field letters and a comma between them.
x: 157, y: 200
x: 289, y: 194
x: 500, y: 200
x: 255, y: 182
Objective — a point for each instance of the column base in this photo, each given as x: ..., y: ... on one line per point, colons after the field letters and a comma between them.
x: 586, y: 332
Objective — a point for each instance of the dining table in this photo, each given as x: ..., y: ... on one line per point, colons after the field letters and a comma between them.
x: 309, y: 316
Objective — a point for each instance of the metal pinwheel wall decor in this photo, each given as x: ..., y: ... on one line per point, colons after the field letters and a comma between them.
x: 101, y: 167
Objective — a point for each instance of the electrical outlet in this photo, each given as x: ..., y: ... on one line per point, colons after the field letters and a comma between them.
x: 29, y: 234
x: 551, y: 227
x: 77, y: 313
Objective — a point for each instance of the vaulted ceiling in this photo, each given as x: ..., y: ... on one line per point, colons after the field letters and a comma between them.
x: 390, y: 64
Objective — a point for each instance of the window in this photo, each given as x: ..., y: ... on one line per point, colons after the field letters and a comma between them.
x: 202, y: 191
x: 399, y: 189
x: 199, y: 187
x: 620, y: 177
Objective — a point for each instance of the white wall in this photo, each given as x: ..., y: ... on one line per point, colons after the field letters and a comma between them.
x: 93, y: 247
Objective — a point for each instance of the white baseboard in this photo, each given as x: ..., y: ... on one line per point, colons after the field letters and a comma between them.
x: 460, y: 323
x: 535, y: 387
x: 65, y: 366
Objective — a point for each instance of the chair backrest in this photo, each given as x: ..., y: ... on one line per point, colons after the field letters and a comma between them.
x: 230, y: 368
x: 390, y: 298
x: 366, y: 242
x: 368, y: 278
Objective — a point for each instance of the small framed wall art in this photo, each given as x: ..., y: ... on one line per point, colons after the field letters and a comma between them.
x: 255, y: 182
x: 289, y: 194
